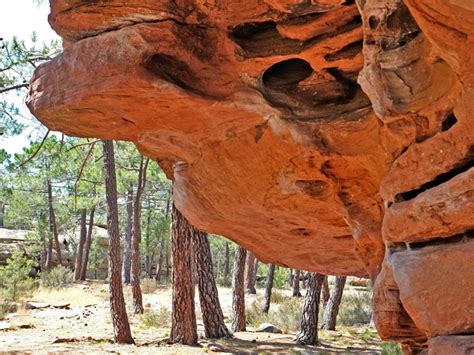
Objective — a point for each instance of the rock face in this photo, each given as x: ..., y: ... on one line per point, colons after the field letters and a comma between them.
x: 326, y: 135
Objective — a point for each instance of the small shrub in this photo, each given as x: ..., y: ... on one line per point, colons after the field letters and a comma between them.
x: 286, y: 315
x: 15, y: 281
x: 391, y: 348
x: 254, y: 315
x: 278, y: 297
x: 148, y: 285
x: 224, y: 281
x: 7, y: 307
x: 159, y: 319
x: 355, y: 309
x: 59, y: 276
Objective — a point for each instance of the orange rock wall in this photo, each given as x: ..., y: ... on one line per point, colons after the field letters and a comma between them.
x: 327, y: 135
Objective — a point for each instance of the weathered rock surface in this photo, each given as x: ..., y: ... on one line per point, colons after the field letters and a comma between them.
x: 318, y: 134
x: 454, y: 345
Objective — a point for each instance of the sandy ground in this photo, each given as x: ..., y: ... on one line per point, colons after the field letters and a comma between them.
x: 84, y: 327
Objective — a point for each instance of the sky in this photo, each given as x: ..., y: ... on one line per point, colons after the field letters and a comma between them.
x: 20, y: 18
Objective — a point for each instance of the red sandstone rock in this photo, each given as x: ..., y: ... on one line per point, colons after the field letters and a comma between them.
x: 437, y: 287
x: 254, y: 109
x: 453, y: 345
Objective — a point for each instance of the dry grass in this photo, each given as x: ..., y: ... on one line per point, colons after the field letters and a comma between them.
x: 148, y: 286
x: 158, y: 319
x: 76, y: 295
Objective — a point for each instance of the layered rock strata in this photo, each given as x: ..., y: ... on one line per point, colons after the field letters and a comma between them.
x: 327, y: 135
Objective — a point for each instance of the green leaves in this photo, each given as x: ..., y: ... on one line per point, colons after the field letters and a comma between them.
x: 18, y: 59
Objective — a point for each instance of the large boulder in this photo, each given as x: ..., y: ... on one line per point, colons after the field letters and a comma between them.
x: 326, y: 135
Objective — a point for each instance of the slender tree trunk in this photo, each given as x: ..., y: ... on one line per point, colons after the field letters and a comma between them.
x: 136, y: 237
x: 308, y: 334
x: 227, y: 261
x: 212, y: 316
x: 2, y: 215
x: 49, y: 253
x: 159, y: 265
x: 87, y: 246
x: 148, y: 254
x: 255, y: 270
x: 52, y: 224
x: 95, y: 266
x: 80, y: 246
x: 332, y: 308
x: 44, y: 251
x: 127, y: 250
x: 268, y: 288
x: 183, y: 323
x: 167, y: 259
x: 148, y: 261
x: 249, y: 279
x: 118, y: 312
x: 296, y: 283
x: 238, y: 295
x: 325, y: 291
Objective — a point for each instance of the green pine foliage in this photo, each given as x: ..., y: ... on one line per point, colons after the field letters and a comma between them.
x: 15, y: 281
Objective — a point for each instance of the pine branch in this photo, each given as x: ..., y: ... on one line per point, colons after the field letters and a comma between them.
x: 14, y: 87
x: 37, y: 150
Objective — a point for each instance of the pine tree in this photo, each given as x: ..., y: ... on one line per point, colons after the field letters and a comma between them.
x: 122, y: 333
x: 238, y: 296
x: 308, y: 334
x: 212, y: 315
x: 183, y: 322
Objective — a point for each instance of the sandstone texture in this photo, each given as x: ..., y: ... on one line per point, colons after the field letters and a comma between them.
x: 325, y: 135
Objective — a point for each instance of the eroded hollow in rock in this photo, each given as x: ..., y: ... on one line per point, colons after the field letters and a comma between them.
x: 174, y: 71
x: 469, y: 234
x: 287, y: 74
x: 349, y: 51
x: 304, y: 94
x: 404, y: 27
x: 262, y: 39
x: 462, y: 167
x: 448, y: 122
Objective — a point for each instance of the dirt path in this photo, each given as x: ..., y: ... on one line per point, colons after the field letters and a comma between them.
x: 84, y: 327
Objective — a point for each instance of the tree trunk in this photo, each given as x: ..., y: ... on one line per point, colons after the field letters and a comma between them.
x: 44, y: 250
x: 49, y: 253
x: 80, y: 246
x: 212, y: 316
x: 127, y: 250
x: 308, y: 334
x: 255, y: 270
x: 167, y: 259
x: 148, y: 261
x: 238, y: 296
x: 159, y: 265
x: 2, y: 215
x: 325, y: 291
x: 136, y: 237
x: 268, y: 288
x: 296, y: 283
x: 52, y: 224
x: 249, y: 279
x: 87, y: 246
x: 118, y: 312
x: 183, y: 323
x: 332, y: 308
x: 227, y: 261
x: 148, y: 254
